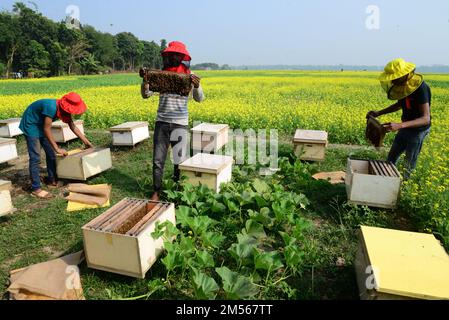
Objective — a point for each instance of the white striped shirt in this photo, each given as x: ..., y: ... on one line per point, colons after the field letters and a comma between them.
x: 173, y: 107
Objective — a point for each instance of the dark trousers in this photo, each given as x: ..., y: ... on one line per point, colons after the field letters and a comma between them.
x: 409, y: 141
x: 34, y: 152
x: 166, y: 134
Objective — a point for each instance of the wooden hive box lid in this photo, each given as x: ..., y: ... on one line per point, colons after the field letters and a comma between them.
x: 5, y: 185
x: 8, y: 121
x: 210, y: 128
x: 4, y: 141
x: 60, y: 124
x: 127, y: 126
x: 206, y: 163
x: 409, y: 264
x: 310, y: 136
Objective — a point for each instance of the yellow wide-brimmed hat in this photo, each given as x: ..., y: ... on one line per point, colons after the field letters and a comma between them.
x: 396, y: 69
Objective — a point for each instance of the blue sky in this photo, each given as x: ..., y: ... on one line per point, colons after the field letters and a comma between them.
x: 254, y: 32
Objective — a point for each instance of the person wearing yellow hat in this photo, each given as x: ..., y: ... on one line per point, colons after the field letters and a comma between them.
x: 413, y: 97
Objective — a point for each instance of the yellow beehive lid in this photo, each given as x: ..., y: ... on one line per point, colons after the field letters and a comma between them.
x: 207, y: 163
x: 310, y: 136
x: 409, y: 264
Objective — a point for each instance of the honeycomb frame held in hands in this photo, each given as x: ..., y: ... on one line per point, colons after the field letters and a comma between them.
x: 166, y: 81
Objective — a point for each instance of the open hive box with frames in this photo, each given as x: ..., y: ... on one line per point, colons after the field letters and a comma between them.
x: 373, y: 183
x: 120, y: 240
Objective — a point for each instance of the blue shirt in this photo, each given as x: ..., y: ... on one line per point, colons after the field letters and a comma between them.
x: 32, y: 123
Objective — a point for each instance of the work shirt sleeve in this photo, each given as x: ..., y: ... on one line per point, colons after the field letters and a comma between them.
x: 49, y: 110
x: 422, y: 96
x: 146, y: 93
x: 198, y: 94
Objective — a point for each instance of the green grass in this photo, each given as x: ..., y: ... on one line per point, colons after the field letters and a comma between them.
x: 41, y: 230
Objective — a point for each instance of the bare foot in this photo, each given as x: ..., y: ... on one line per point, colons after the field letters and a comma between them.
x: 41, y: 194
x: 155, y: 197
x: 53, y: 184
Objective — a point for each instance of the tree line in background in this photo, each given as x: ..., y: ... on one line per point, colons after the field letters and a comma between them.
x: 35, y: 46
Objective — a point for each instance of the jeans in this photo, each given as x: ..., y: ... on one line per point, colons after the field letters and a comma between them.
x: 410, y: 141
x: 166, y: 134
x: 34, y: 152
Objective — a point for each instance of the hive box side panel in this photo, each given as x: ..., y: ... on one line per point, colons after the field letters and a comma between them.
x: 140, y: 134
x: 204, y: 142
x: 10, y: 129
x: 310, y: 151
x: 223, y: 138
x: 122, y: 138
x: 4, y: 130
x: 58, y: 135
x: 196, y: 179
x: 69, y: 168
x: 8, y: 152
x: 65, y: 134
x: 96, y: 163
x: 14, y: 129
x: 112, y: 252
x: 210, y: 142
x: 375, y: 190
x: 69, y: 135
x: 149, y: 248
x: 225, y: 176
x: 5, y: 202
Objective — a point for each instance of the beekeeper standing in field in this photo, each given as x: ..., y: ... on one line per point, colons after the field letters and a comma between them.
x: 36, y: 126
x: 413, y: 97
x: 172, y: 120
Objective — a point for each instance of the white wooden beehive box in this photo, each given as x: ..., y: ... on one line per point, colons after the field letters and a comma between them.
x: 10, y: 128
x: 310, y: 145
x: 8, y: 150
x: 397, y: 265
x: 129, y: 133
x: 208, y: 169
x: 83, y: 164
x: 6, y: 206
x: 371, y: 186
x: 62, y: 133
x: 208, y: 137
x: 120, y: 239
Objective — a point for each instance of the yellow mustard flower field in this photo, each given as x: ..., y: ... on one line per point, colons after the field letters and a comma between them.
x: 285, y: 100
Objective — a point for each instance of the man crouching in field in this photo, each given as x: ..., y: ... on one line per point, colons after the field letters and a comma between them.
x: 413, y: 96
x: 36, y: 126
x: 172, y: 117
